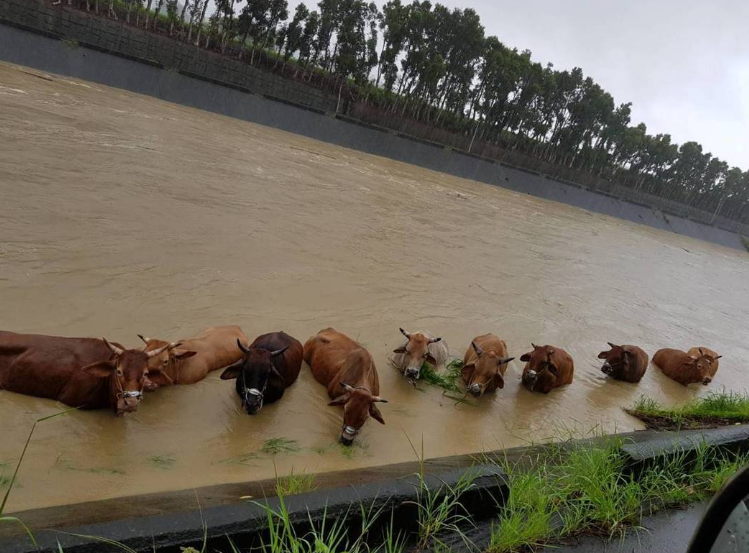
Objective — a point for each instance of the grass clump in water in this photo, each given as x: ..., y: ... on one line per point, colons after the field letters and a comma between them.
x: 446, y: 380
x: 587, y: 490
x: 162, y: 461
x: 295, y: 484
x: 714, y: 409
x: 274, y: 446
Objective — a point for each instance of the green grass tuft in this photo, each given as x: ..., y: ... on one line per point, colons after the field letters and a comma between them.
x: 714, y: 409
x: 295, y: 484
x: 162, y: 461
x: 274, y: 446
x: 447, y: 380
x: 745, y: 241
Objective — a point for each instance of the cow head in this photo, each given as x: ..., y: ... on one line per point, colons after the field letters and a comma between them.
x: 415, y: 351
x: 541, y: 375
x: 126, y: 370
x: 159, y: 366
x: 358, y: 404
x: 484, y: 374
x: 253, y: 373
x: 701, y: 367
x: 616, y: 361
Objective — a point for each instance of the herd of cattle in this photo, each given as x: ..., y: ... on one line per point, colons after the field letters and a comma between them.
x: 91, y: 374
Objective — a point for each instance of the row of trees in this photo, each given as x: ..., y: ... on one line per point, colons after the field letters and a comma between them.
x: 436, y: 65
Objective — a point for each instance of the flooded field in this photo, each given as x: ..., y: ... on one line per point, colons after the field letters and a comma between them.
x: 122, y: 214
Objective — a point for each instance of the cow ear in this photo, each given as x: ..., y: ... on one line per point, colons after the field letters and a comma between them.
x: 180, y: 353
x: 340, y: 400
x: 499, y: 382
x: 553, y: 370
x: 374, y: 412
x: 102, y: 369
x: 232, y: 371
x: 603, y: 354
x: 159, y: 377
x: 467, y: 370
x: 430, y: 359
x: 401, y: 349
x: 526, y: 357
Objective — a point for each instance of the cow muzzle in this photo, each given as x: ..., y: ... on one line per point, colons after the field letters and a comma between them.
x: 348, y: 433
x: 253, y: 400
x: 476, y: 390
x: 127, y: 402
x: 412, y: 372
x: 607, y: 368
x: 707, y: 380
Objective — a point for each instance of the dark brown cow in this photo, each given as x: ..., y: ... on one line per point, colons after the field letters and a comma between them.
x: 547, y: 367
x: 698, y: 351
x: 213, y: 349
x: 348, y: 371
x: 484, y: 364
x: 81, y: 372
x: 679, y: 366
x: 268, y: 366
x: 627, y: 363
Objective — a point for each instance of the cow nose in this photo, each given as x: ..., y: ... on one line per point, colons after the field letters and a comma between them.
x: 412, y: 372
x: 252, y: 408
x: 475, y: 390
x: 606, y: 368
x: 707, y: 380
x: 346, y: 440
x: 126, y: 405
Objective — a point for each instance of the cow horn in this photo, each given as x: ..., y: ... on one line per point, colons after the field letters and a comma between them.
x: 174, y: 345
x: 378, y: 399
x: 346, y: 387
x: 612, y: 346
x: 158, y: 351
x: 534, y: 345
x: 434, y: 340
x: 145, y: 340
x: 115, y: 349
x: 279, y: 351
x: 477, y: 349
x: 504, y: 361
x: 242, y: 347
x: 406, y: 334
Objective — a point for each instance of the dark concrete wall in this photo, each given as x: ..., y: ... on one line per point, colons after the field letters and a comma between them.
x: 52, y: 54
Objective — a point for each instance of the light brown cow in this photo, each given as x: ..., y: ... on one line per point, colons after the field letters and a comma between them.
x: 679, y: 366
x: 484, y: 364
x: 627, y: 363
x: 81, y: 372
x: 547, y: 367
x: 213, y: 349
x: 416, y: 349
x: 349, y: 373
x: 698, y: 351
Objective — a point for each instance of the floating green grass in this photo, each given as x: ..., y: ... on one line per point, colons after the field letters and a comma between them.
x: 243, y: 459
x: 274, y: 446
x: 162, y: 461
x: 447, y: 380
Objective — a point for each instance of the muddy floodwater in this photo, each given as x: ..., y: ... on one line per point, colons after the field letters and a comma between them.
x: 121, y: 214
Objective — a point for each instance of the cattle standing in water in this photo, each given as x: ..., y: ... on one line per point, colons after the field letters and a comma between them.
x: 547, y: 367
x: 268, y: 366
x: 484, y: 364
x: 679, y: 366
x: 627, y: 363
x: 81, y: 372
x: 416, y: 349
x: 213, y: 349
x: 707, y: 352
x: 349, y: 373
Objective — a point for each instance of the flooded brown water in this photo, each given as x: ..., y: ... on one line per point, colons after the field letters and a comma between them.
x: 122, y: 214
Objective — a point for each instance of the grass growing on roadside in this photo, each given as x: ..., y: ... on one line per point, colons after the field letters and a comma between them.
x: 714, y: 409
x: 745, y: 241
x: 587, y: 491
x: 295, y: 484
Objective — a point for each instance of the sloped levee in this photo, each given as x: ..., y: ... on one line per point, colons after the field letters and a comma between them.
x: 50, y: 54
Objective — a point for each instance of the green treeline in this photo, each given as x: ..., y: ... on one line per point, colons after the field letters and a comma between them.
x: 435, y: 65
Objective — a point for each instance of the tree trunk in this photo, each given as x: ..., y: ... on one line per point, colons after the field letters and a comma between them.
x: 182, y: 16
x: 96, y: 7
x: 200, y: 22
x: 112, y: 13
x: 156, y: 15
x: 148, y: 13
x: 129, y: 10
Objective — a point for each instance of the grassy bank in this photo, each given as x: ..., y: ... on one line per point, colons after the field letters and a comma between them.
x: 714, y: 409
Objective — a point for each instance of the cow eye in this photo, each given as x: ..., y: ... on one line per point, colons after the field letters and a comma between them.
x: 119, y: 372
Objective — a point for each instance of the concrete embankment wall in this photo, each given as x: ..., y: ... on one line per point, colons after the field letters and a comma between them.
x: 31, y: 37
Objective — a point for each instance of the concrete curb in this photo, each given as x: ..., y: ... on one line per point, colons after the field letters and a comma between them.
x: 247, y: 523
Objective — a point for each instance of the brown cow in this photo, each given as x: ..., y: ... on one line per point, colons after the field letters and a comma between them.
x: 679, y: 366
x: 627, y: 363
x: 81, y: 372
x: 269, y: 365
x: 416, y: 349
x: 213, y: 349
x: 484, y: 364
x: 698, y: 351
x: 348, y: 371
x: 547, y: 367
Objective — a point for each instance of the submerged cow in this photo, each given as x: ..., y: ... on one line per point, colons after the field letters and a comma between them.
x: 484, y: 364
x: 268, y: 366
x: 710, y: 354
x: 213, y: 349
x: 547, y: 367
x: 627, y: 363
x: 349, y: 373
x: 679, y: 366
x: 418, y: 348
x: 81, y: 372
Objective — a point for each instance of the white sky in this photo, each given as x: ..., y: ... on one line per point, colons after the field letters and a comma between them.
x: 684, y: 64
